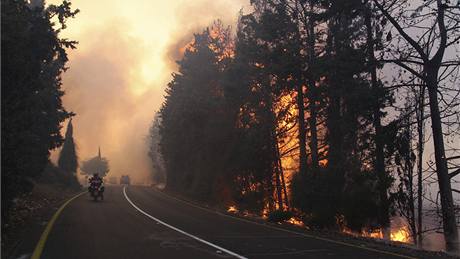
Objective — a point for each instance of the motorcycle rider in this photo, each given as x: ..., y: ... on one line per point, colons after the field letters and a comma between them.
x: 96, y: 182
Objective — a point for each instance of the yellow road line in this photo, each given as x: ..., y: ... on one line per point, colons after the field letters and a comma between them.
x: 41, y: 243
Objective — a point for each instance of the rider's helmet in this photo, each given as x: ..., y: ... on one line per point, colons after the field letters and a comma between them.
x: 95, y: 175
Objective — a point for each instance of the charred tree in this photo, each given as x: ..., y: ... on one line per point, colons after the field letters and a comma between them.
x: 428, y: 52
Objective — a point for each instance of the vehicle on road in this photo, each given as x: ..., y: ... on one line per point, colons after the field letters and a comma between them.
x: 97, y: 192
x: 125, y: 180
x: 96, y: 187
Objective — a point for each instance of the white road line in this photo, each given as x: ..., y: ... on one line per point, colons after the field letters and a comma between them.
x: 181, y: 231
x: 286, y: 230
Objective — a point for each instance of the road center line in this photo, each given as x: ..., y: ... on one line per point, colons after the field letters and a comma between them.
x: 181, y: 231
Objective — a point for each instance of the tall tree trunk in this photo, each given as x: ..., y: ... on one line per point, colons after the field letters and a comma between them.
x: 447, y: 202
x: 312, y: 90
x: 335, y: 134
x: 313, y: 131
x: 270, y: 192
x: 277, y: 167
x: 275, y: 154
x: 309, y: 78
x: 302, y: 135
x: 283, y: 182
x: 279, y: 197
x: 420, y: 145
x: 411, y: 192
x: 379, y: 162
x: 431, y: 70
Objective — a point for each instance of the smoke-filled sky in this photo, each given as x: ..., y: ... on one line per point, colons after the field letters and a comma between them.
x: 124, y: 59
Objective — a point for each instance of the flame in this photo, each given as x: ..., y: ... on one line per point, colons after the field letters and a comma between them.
x: 216, y: 32
x: 232, y: 209
x: 377, y: 233
x: 187, y: 47
x: 265, y: 211
x: 401, y: 235
x: 259, y: 65
x: 323, y: 163
x: 288, y: 141
x: 296, y: 221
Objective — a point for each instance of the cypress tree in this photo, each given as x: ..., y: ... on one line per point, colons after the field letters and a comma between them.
x: 68, y: 160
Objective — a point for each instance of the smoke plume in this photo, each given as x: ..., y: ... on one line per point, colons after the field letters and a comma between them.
x: 118, y: 73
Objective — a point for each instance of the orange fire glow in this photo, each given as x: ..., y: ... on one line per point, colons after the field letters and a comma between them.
x: 288, y: 142
x: 232, y: 209
x: 373, y: 233
x: 401, y: 235
x: 265, y: 211
x: 296, y: 221
x: 188, y: 46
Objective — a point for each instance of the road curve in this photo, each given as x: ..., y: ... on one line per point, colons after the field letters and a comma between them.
x: 146, y: 223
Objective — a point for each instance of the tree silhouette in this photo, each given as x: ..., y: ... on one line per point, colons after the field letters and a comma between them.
x: 68, y: 160
x: 159, y: 174
x: 309, y: 81
x: 96, y: 165
x: 33, y: 60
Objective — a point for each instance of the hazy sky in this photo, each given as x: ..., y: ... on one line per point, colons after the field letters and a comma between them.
x: 124, y: 59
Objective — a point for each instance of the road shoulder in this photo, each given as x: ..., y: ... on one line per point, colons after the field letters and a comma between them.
x: 32, y: 213
x: 329, y: 236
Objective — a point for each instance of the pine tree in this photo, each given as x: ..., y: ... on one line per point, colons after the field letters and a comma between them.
x: 196, y: 123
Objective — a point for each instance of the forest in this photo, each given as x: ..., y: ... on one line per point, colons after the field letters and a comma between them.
x: 339, y: 114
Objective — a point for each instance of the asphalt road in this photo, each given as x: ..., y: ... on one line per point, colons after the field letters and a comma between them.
x: 115, y: 228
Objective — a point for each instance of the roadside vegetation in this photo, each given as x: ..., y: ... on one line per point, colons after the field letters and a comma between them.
x: 322, y: 110
x: 34, y: 57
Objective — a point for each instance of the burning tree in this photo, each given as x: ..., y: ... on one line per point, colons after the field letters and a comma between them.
x: 196, y: 123
x: 297, y: 112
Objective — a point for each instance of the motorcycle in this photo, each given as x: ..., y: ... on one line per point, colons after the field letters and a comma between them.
x: 96, y: 191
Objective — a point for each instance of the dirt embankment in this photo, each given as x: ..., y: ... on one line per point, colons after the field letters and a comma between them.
x: 32, y: 209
